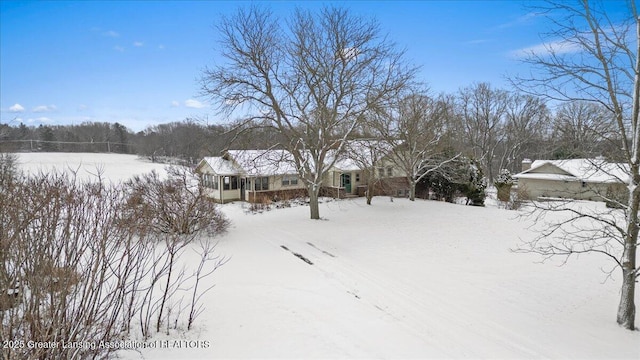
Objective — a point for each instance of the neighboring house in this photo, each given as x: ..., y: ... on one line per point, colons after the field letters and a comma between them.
x: 580, y: 179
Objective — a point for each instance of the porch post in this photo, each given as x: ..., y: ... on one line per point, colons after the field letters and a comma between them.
x: 220, y: 189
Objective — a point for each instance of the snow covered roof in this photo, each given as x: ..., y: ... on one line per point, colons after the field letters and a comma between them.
x: 281, y: 162
x: 222, y: 166
x: 358, y: 154
x: 346, y: 164
x: 587, y: 170
x: 264, y: 162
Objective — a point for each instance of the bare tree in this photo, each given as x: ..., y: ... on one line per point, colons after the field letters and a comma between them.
x: 312, y: 80
x: 594, y: 58
x: 584, y: 129
x: 482, y: 111
x: 414, y: 127
x: 526, y: 130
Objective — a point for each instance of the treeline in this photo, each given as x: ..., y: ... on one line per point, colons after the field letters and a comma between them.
x: 186, y: 140
x: 497, y: 127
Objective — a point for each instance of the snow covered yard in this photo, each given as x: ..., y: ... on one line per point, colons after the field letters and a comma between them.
x: 398, y: 279
x: 404, y: 279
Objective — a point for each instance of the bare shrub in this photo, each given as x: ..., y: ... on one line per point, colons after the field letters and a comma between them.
x: 59, y: 240
x: 173, y: 212
x: 176, y: 205
x: 517, y: 198
x: 209, y: 262
x: 77, y: 265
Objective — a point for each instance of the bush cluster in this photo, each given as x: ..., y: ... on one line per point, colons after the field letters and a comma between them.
x: 80, y: 264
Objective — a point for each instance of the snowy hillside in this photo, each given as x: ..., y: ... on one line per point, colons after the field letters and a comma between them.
x: 397, y: 279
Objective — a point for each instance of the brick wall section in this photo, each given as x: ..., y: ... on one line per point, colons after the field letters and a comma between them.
x: 391, y: 186
x: 275, y: 195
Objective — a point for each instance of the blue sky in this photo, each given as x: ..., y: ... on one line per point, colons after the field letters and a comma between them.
x: 138, y: 62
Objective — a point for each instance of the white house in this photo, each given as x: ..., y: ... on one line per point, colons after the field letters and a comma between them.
x: 250, y: 175
x: 256, y: 175
x: 581, y: 179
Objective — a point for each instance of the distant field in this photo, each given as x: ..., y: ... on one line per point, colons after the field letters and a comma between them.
x: 115, y: 167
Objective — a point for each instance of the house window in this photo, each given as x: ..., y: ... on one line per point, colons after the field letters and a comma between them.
x: 230, y: 183
x: 389, y: 171
x: 381, y: 172
x: 289, y: 180
x: 357, y: 177
x: 210, y: 181
x: 261, y: 183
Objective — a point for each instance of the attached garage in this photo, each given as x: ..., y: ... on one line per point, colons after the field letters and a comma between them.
x: 580, y: 179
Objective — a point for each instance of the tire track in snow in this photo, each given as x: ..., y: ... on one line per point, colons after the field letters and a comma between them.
x: 398, y: 301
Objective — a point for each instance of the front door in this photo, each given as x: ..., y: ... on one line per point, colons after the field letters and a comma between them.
x: 345, y: 182
x: 242, y: 187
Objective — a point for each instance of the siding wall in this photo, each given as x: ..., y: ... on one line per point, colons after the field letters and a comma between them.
x: 535, y: 188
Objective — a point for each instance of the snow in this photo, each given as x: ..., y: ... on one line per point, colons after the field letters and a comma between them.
x: 588, y: 170
x: 399, y: 279
x: 406, y: 281
x: 222, y: 166
x: 114, y: 167
x: 264, y: 162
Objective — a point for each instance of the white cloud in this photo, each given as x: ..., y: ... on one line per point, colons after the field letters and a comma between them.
x: 111, y: 33
x: 16, y: 108
x: 521, y: 20
x: 138, y: 44
x: 42, y: 119
x: 44, y: 108
x: 82, y: 107
x: 161, y: 47
x: 556, y: 47
x: 195, y: 104
x: 118, y: 48
x: 175, y: 103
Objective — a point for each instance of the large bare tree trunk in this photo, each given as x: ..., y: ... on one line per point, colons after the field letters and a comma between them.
x: 313, y: 202
x: 412, y: 189
x: 627, y: 307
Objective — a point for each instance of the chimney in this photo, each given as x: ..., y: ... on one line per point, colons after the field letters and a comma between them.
x: 526, y: 164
